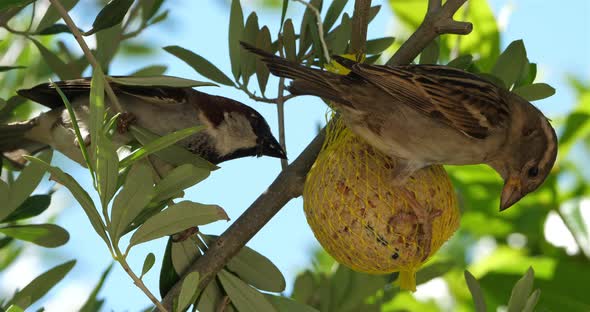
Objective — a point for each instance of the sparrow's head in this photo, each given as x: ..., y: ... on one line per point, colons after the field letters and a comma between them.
x: 530, y: 154
x: 236, y: 130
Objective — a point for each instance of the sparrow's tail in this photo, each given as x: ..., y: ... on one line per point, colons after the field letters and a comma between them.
x: 306, y: 81
x: 14, y: 145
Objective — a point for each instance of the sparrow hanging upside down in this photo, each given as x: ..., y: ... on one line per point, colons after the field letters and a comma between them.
x: 232, y: 129
x: 428, y: 114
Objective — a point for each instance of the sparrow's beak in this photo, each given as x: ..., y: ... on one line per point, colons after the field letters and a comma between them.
x: 272, y: 148
x: 511, y: 193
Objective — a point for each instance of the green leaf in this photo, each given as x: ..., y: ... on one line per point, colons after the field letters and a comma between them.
x: 152, y: 70
x: 7, y: 68
x: 531, y: 302
x: 174, y: 154
x: 210, y: 298
x: 263, y: 41
x: 236, y: 28
x: 510, y: 63
x: 109, y: 41
x: 38, y: 287
x: 107, y: 169
x: 188, y: 291
x: 183, y: 253
x: 92, y: 304
x: 148, y: 263
x: 46, y: 235
x: 176, y: 218
x: 257, y: 270
x: 430, y: 54
x: 160, y: 81
x: 528, y: 75
x: 111, y: 15
x: 32, y: 206
x: 337, y: 40
x: 248, y: 60
x: 334, y: 11
x: 179, y: 179
x: 79, y: 194
x: 434, y: 270
x: 149, y: 8
x: 289, y: 41
x: 376, y: 46
x: 307, y: 24
x: 476, y: 293
x: 54, y: 30
x: 461, y: 62
x: 14, y: 308
x: 51, y: 15
x: 7, y: 4
x: 158, y: 144
x: 168, y: 277
x: 25, y: 184
x: 303, y: 288
x: 284, y: 12
x: 136, y: 194
x: 96, y: 108
x: 244, y: 297
x: 284, y: 304
x: 521, y: 291
x: 199, y: 64
x: 535, y: 91
x: 54, y: 62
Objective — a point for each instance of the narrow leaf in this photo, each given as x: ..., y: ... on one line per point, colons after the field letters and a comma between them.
x: 7, y: 68
x: 257, y: 270
x: 289, y: 40
x: 32, y: 206
x: 7, y: 4
x: 284, y: 304
x: 174, y: 154
x: 152, y: 70
x: 79, y: 194
x: 54, y: 30
x: 176, y: 218
x: 46, y: 235
x: 244, y: 297
x: 25, y: 184
x: 109, y: 41
x: 284, y: 12
x: 96, y: 108
x: 510, y: 63
x: 188, y: 291
x: 200, y: 64
x: 462, y: 62
x: 111, y: 15
x: 535, y: 91
x: 236, y: 28
x: 168, y: 277
x: 51, y: 15
x: 160, y: 81
x: 183, y: 253
x: 159, y: 144
x: 54, y: 62
x: 93, y: 304
x: 248, y: 60
x: 107, y: 169
x: 476, y: 293
x: 334, y: 11
x: 148, y: 263
x: 179, y: 179
x: 38, y: 287
x: 430, y: 54
x: 263, y: 41
x: 136, y: 194
x: 210, y: 298
x: 532, y: 301
x: 521, y: 291
x: 376, y: 46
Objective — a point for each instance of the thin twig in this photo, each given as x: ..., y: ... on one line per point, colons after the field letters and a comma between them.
x: 438, y: 20
x: 288, y: 185
x: 91, y: 59
x: 263, y: 99
x: 281, y: 111
x: 318, y: 17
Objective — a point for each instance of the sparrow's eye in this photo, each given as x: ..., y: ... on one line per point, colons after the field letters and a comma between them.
x: 533, y: 172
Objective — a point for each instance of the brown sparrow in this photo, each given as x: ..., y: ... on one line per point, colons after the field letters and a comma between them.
x: 232, y: 129
x: 429, y: 114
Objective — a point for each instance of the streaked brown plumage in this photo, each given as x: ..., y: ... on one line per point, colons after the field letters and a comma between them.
x: 232, y: 129
x: 429, y: 114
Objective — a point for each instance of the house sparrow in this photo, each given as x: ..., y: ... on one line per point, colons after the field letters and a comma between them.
x: 232, y: 129
x: 429, y: 114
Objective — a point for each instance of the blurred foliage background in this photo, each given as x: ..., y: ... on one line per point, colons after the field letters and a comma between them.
x: 496, y: 248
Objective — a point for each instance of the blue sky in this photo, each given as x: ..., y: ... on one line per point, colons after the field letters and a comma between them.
x: 558, y: 38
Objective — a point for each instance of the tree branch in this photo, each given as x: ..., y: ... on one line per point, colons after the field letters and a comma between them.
x: 91, y: 59
x: 289, y: 183
x: 438, y: 20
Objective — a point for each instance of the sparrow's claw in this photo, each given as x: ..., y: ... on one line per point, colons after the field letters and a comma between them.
x: 124, y: 121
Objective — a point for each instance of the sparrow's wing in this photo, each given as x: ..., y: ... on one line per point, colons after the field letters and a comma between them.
x: 46, y: 93
x: 459, y: 99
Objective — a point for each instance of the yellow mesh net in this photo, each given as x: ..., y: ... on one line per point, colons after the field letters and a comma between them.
x: 368, y: 222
